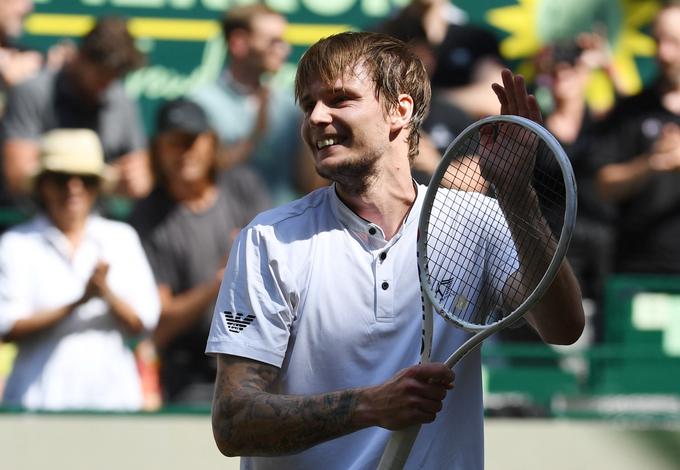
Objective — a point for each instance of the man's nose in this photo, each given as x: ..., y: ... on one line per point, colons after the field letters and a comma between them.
x: 319, y: 113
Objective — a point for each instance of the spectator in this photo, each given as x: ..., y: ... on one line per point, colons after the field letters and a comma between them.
x: 639, y: 159
x: 408, y: 25
x: 186, y: 226
x: 563, y: 70
x: 468, y: 61
x: 462, y: 61
x: 256, y: 120
x: 86, y: 93
x: 73, y: 288
x: 16, y: 63
x: 433, y: 17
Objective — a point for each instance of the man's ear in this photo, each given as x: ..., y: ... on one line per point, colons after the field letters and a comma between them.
x: 402, y: 112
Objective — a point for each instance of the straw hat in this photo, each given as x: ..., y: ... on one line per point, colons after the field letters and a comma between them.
x: 72, y: 151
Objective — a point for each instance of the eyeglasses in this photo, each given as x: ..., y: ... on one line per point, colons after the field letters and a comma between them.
x: 62, y: 179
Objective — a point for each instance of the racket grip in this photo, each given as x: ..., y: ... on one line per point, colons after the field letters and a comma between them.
x: 398, y: 448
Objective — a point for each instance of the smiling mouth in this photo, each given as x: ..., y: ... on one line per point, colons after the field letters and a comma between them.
x: 323, y: 143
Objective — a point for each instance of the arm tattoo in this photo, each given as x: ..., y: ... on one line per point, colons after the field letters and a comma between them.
x: 250, y: 420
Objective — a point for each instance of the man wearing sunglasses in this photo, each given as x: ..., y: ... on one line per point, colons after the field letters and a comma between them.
x: 73, y: 287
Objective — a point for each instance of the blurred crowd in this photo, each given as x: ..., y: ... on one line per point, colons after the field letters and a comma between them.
x: 105, y: 311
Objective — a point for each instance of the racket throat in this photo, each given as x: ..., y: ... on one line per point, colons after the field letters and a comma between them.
x: 468, y: 346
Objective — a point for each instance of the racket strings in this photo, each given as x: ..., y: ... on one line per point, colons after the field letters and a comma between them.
x: 474, y: 244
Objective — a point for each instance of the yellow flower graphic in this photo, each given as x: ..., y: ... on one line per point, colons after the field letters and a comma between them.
x: 531, y: 24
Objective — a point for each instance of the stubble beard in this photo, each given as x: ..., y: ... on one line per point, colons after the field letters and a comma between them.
x: 354, y: 177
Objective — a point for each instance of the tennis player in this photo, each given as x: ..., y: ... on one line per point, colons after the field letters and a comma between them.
x: 317, y: 324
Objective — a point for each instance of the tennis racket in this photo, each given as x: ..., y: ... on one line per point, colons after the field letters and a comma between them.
x: 494, y: 227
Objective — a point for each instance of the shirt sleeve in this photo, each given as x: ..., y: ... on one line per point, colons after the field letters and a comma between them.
x: 133, y: 279
x: 121, y: 124
x: 23, y: 118
x: 254, y: 310
x: 14, y: 300
x: 135, y: 126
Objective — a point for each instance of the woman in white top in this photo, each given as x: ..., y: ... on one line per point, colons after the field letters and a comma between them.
x: 74, y: 287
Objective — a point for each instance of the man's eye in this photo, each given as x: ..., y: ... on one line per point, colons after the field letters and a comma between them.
x: 339, y: 99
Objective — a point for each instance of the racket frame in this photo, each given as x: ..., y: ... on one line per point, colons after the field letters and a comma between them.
x: 484, y: 331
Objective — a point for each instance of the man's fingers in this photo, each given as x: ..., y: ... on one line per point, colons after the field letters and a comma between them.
x: 500, y: 94
x: 433, y: 372
x: 414, y: 395
x: 416, y: 414
x: 534, y: 110
x: 514, y: 98
x: 521, y: 96
x: 510, y: 92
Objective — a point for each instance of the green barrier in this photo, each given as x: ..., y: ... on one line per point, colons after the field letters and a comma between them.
x: 642, y: 333
x: 644, y: 310
x: 634, y: 372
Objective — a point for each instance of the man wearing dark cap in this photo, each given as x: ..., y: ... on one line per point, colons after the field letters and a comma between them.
x: 186, y: 226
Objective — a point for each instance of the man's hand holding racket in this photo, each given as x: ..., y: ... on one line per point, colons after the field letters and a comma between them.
x: 412, y: 396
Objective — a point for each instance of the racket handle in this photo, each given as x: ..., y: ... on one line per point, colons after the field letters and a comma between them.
x: 398, y: 448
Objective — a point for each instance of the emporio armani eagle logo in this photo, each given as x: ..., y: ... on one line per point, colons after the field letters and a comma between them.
x: 237, y: 322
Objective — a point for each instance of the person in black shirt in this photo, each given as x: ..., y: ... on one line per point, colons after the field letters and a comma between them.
x: 87, y: 92
x: 639, y: 160
x: 187, y: 225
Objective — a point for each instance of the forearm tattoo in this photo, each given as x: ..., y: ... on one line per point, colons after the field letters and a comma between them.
x: 254, y: 421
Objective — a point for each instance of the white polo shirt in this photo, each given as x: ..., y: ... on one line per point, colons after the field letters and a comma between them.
x: 83, y: 361
x: 314, y: 289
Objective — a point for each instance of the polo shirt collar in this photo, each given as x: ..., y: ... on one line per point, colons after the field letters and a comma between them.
x: 228, y: 82
x: 367, y: 231
x: 56, y: 237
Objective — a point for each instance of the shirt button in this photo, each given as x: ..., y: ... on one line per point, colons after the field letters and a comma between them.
x: 383, y: 255
x: 385, y: 286
x: 372, y: 230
